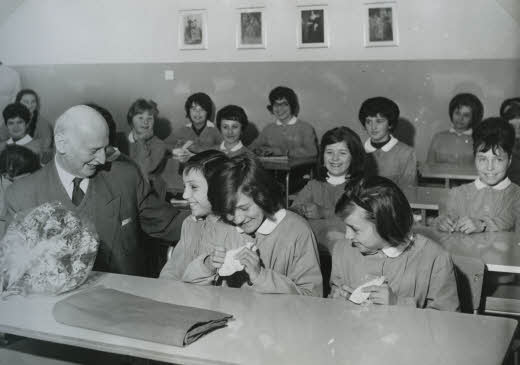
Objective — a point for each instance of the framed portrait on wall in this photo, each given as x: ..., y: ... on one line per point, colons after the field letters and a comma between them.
x: 380, y: 24
x: 193, y: 29
x: 312, y: 29
x: 250, y: 28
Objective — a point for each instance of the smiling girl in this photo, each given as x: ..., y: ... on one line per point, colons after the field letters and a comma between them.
x: 231, y: 122
x: 17, y: 118
x: 492, y: 201
x: 388, y: 156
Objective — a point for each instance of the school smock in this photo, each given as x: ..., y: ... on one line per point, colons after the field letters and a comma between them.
x: 208, y: 139
x: 288, y: 254
x: 514, y: 169
x: 296, y: 137
x: 395, y: 160
x: 197, y: 238
x: 497, y: 206
x: 322, y: 193
x: 420, y: 274
x: 237, y: 150
x: 452, y: 147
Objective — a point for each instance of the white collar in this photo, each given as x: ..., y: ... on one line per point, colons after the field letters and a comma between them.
x: 22, y: 141
x: 291, y: 121
x: 235, y: 148
x: 269, y: 224
x: 210, y: 218
x: 131, y: 137
x: 500, y: 186
x: 396, y: 251
x: 67, y: 178
x: 468, y: 132
x: 208, y: 124
x: 336, y: 180
x: 387, y: 147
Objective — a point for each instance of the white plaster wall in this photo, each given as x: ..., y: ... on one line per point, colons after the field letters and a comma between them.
x: 137, y: 31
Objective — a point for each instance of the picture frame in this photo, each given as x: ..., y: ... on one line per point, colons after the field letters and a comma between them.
x: 312, y: 26
x: 251, y: 31
x: 193, y: 29
x: 380, y: 24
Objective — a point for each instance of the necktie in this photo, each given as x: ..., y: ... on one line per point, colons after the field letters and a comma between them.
x: 77, y: 193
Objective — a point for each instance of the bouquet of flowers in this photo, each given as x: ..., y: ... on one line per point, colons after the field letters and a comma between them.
x: 48, y: 250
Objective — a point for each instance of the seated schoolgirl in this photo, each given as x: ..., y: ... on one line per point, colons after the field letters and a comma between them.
x: 231, y: 122
x: 387, y: 156
x: 200, y: 133
x: 379, y: 244
x: 510, y: 111
x: 17, y: 118
x: 342, y: 162
x: 288, y: 135
x: 455, y: 145
x: 280, y: 253
x: 492, y: 201
x: 143, y: 146
x: 199, y: 230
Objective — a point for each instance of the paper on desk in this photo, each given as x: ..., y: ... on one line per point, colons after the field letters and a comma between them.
x: 358, y: 296
x: 232, y: 265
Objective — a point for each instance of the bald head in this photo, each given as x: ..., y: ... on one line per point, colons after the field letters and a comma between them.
x: 81, y: 135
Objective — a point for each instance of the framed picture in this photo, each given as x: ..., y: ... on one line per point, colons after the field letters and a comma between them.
x: 380, y: 23
x: 312, y: 30
x: 251, y: 30
x: 193, y: 29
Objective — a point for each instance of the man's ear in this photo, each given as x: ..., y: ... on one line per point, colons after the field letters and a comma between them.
x: 60, y: 142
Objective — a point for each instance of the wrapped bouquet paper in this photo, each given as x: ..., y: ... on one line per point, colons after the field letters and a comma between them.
x: 48, y: 250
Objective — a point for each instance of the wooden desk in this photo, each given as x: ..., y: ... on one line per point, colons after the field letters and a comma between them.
x: 447, y: 172
x: 281, y: 329
x: 425, y: 198
x: 286, y: 164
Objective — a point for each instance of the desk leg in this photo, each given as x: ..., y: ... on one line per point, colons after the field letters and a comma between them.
x: 287, y: 175
x: 447, y: 183
x: 423, y: 216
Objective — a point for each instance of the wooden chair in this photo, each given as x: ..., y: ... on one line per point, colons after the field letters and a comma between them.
x: 469, y: 273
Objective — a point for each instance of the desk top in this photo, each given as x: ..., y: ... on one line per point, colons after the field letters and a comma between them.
x: 500, y: 251
x: 447, y: 171
x: 284, y: 163
x: 280, y: 329
x: 421, y: 197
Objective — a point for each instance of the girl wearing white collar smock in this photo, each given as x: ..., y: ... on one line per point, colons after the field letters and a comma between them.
x: 411, y: 269
x: 17, y: 118
x: 277, y: 250
x: 455, y: 146
x: 231, y: 122
x: 492, y: 202
x: 387, y: 156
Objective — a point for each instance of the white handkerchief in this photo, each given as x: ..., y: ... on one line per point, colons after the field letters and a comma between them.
x: 232, y: 265
x: 358, y: 296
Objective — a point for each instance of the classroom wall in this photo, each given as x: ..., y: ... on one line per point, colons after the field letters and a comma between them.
x: 111, y: 52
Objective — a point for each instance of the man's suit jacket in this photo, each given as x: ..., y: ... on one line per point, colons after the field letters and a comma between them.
x: 118, y: 202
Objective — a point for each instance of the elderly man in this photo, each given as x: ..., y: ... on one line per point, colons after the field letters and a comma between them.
x: 116, y: 200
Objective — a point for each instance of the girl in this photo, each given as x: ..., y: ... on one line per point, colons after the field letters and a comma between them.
x: 280, y: 254
x: 17, y: 119
x: 387, y: 156
x: 456, y: 144
x: 287, y: 136
x: 146, y: 149
x: 198, y: 230
x: 38, y: 128
x: 380, y: 243
x: 200, y: 134
x: 492, y: 202
x: 231, y: 122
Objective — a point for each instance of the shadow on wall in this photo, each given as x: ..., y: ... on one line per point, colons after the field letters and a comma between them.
x: 405, y: 132
x: 250, y: 133
x: 162, y: 128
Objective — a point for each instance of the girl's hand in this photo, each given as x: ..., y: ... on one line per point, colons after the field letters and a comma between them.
x: 447, y: 224
x: 342, y: 291
x: 251, y: 262
x: 143, y: 136
x: 311, y: 211
x: 381, y: 294
x: 215, y: 260
x: 469, y: 225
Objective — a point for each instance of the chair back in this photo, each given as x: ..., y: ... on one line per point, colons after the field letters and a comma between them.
x: 469, y: 272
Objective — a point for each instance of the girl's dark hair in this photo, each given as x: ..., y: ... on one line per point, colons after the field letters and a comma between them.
x: 382, y: 106
x: 16, y: 110
x: 493, y: 133
x: 17, y: 160
x: 112, y: 129
x: 471, y: 101
x: 140, y: 106
x: 201, y: 99
x: 232, y: 112
x: 356, y: 169
x: 385, y: 205
x: 243, y: 174
x: 207, y: 162
x: 510, y: 109
x: 32, y: 122
x: 282, y: 92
